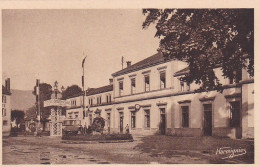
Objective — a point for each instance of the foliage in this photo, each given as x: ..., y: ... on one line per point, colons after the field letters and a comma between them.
x: 98, y: 137
x: 71, y: 91
x: 31, y: 113
x: 98, y: 124
x: 45, y: 94
x: 206, y: 39
x: 18, y: 116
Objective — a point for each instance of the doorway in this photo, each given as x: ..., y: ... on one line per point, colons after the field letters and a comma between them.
x: 121, y: 123
x: 162, y: 121
x: 207, y: 119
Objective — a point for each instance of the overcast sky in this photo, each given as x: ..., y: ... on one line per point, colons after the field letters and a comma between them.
x: 49, y: 45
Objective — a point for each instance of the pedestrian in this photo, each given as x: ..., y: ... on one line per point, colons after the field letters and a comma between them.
x: 127, y: 129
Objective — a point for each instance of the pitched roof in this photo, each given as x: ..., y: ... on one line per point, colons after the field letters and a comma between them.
x: 150, y: 61
x: 5, y: 91
x: 102, y: 89
x: 182, y: 72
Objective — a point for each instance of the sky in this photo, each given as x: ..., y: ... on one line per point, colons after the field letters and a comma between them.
x: 50, y: 45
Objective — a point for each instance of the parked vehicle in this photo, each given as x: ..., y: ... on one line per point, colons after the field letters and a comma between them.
x: 71, y: 126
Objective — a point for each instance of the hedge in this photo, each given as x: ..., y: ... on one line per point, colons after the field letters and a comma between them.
x: 98, y: 137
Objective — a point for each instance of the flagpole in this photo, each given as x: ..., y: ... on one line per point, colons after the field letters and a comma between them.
x: 38, y: 103
x: 83, y: 86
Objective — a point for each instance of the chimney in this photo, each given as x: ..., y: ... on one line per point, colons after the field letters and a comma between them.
x: 128, y: 63
x: 7, y: 84
x: 111, y: 81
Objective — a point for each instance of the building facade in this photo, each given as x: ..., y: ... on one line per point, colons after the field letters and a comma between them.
x: 150, y: 98
x: 6, y: 108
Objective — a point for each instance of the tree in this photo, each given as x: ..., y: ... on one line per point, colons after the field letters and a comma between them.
x: 71, y: 91
x: 31, y: 113
x: 45, y: 94
x: 17, y: 116
x: 98, y: 124
x: 206, y: 39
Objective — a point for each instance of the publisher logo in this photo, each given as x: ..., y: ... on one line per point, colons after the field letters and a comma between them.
x: 228, y: 152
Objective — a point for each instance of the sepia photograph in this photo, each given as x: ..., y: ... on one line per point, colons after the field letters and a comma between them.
x: 128, y: 86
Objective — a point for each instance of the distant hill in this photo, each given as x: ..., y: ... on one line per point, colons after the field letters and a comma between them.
x: 22, y: 99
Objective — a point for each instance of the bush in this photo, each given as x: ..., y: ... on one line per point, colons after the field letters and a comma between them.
x: 98, y: 124
x: 98, y: 137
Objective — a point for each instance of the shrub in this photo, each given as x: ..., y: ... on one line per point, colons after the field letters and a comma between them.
x: 98, y: 124
x: 98, y: 137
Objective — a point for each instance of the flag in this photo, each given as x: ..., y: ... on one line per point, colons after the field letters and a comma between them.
x: 83, y: 61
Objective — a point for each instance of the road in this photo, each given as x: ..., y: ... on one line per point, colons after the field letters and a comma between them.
x: 49, y: 150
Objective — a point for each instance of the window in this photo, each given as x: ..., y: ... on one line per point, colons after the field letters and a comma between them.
x: 76, y: 115
x: 147, y: 118
x: 109, y: 98
x: 121, y: 88
x: 90, y: 101
x: 185, y: 116
x: 162, y: 80
x: 147, y: 83
x: 133, y: 86
x: 70, y: 115
x: 235, y: 114
x: 5, y: 123
x: 207, y: 107
x: 188, y: 87
x: 3, y: 99
x: 3, y: 112
x: 237, y: 76
x: 108, y: 119
x: 99, y: 100
x: 182, y: 86
x: 133, y: 119
x: 73, y: 103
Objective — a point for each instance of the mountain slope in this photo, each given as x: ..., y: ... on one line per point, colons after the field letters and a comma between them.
x: 22, y: 99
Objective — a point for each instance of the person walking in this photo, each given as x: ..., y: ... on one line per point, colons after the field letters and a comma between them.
x: 127, y: 129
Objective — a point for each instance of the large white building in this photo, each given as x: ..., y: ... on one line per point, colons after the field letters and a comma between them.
x: 150, y: 98
x: 6, y: 108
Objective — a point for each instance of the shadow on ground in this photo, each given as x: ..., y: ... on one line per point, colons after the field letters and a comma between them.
x: 197, y: 148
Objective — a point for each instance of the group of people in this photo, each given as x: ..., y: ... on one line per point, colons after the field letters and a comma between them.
x: 84, y: 130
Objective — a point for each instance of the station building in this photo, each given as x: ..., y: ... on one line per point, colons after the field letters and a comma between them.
x: 150, y: 98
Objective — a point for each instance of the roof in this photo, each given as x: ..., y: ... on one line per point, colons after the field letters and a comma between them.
x: 150, y: 61
x: 102, y: 89
x: 182, y: 72
x: 93, y: 91
x: 75, y: 95
x: 5, y: 91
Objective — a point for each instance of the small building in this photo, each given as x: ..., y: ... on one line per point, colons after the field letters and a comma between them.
x: 6, y: 108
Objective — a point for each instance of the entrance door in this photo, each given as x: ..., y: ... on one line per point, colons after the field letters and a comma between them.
x: 121, y: 123
x: 108, y: 122
x: 162, y: 121
x: 207, y: 119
